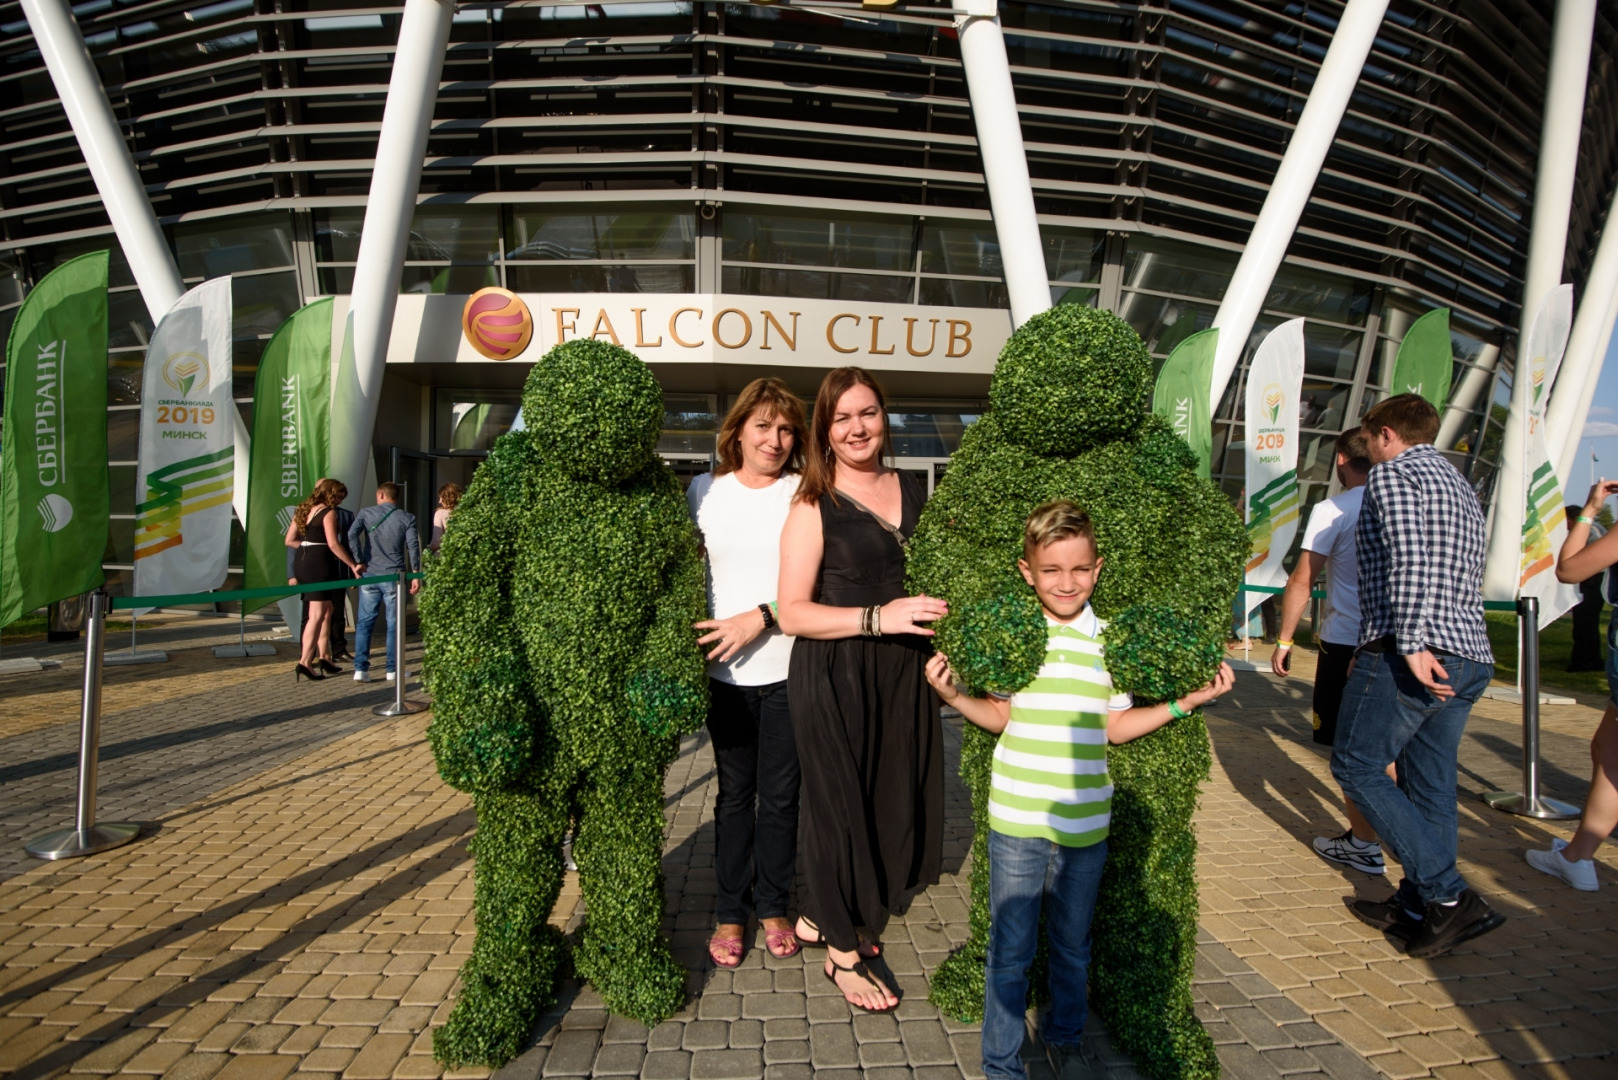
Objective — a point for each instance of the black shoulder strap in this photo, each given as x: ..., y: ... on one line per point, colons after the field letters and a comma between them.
x: 904, y: 544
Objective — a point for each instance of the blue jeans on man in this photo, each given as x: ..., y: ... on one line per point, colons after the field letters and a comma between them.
x: 1026, y: 874
x: 1388, y: 715
x: 373, y: 597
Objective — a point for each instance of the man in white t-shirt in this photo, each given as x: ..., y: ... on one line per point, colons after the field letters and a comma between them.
x: 1328, y: 544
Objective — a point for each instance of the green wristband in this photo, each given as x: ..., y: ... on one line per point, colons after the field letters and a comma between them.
x: 1584, y: 519
x: 1176, y: 712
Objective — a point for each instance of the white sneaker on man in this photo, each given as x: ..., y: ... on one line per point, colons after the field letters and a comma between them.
x: 361, y: 676
x: 390, y: 676
x: 1350, y: 851
x: 1581, y: 875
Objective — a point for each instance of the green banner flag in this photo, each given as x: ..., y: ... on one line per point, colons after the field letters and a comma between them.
x: 1424, y: 362
x: 1181, y: 394
x: 54, y: 500
x: 291, y: 438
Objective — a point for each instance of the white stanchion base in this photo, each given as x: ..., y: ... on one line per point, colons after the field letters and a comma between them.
x: 125, y: 658
x: 1544, y: 809
x: 26, y: 665
x: 71, y: 843
x: 1514, y: 697
x: 241, y: 652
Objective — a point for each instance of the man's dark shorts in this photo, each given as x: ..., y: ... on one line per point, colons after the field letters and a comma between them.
x: 1331, y: 676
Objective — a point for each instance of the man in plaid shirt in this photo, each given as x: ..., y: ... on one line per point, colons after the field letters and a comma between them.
x: 1423, y: 659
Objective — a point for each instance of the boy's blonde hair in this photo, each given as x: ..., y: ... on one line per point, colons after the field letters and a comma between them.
x: 1059, y: 519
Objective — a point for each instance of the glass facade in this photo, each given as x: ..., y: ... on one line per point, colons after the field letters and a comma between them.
x: 825, y: 152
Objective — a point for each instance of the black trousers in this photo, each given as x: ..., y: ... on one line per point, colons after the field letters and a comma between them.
x: 1587, y: 634
x: 756, y: 819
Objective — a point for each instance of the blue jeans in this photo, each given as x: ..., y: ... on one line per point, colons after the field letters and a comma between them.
x: 1387, y: 715
x: 1612, y: 657
x: 1023, y: 874
x: 371, y: 598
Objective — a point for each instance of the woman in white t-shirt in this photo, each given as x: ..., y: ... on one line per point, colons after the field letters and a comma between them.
x: 739, y: 509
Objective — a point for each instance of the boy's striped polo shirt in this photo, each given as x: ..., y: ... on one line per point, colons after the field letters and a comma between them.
x: 1049, y: 778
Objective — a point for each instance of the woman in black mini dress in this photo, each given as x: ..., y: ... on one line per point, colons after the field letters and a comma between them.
x: 319, y: 554
x: 865, y: 720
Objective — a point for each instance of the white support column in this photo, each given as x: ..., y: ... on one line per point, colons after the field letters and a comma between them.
x: 1005, y: 163
x: 1586, y: 349
x: 117, y: 181
x: 418, y: 62
x: 1289, y: 193
x: 1568, y: 459
x: 1547, y: 243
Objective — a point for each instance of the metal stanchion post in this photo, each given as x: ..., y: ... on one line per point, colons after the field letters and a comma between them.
x: 87, y: 837
x: 401, y: 705
x: 1529, y: 802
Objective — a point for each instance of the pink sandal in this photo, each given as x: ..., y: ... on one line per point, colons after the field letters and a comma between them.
x: 782, y: 939
x: 726, y: 952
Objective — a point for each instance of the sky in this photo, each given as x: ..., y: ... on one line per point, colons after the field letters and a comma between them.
x: 1600, y: 431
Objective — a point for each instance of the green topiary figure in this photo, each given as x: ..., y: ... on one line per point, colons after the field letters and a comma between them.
x: 557, y: 622
x: 1069, y: 419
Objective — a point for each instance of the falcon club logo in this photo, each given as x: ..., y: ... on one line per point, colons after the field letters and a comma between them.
x: 497, y: 323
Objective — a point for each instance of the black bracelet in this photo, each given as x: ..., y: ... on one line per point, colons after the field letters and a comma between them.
x: 769, y: 617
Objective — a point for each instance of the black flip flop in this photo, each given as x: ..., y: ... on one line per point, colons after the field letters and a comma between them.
x: 863, y: 972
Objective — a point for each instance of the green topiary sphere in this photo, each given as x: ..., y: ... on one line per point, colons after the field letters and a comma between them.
x: 557, y: 624
x: 1070, y: 378
x: 1069, y: 421
x: 595, y: 409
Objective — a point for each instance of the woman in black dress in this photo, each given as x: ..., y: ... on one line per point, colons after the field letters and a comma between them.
x: 866, y: 722
x: 319, y: 555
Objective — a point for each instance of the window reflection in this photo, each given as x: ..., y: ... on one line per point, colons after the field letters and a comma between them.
x: 864, y: 242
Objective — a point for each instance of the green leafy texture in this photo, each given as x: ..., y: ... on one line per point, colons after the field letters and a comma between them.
x: 1069, y: 420
x: 557, y: 622
x: 1070, y: 378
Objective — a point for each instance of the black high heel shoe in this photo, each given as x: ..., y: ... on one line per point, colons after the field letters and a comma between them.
x: 303, y: 672
x: 329, y: 668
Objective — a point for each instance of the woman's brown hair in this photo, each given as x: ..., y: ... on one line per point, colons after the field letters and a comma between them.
x: 820, y: 467
x: 449, y: 495
x: 773, y: 399
x: 328, y: 493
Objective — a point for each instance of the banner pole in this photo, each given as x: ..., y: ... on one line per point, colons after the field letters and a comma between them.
x: 86, y: 837
x: 401, y: 706
x: 1529, y: 802
x: 134, y: 656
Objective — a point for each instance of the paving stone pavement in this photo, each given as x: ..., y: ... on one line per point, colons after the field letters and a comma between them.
x: 303, y: 901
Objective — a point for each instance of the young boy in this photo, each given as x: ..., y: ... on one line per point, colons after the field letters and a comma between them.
x: 1050, y: 797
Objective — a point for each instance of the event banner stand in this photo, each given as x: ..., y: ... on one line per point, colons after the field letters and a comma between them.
x: 134, y: 655
x: 243, y: 648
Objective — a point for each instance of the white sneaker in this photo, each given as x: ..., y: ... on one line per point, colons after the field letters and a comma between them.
x: 361, y: 676
x: 1347, y: 850
x: 1581, y: 875
x: 390, y: 676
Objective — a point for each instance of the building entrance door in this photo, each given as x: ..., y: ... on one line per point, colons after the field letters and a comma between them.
x: 688, y: 466
x: 416, y: 473
x: 930, y: 469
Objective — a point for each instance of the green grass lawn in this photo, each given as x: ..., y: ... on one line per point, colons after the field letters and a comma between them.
x: 31, y: 628
x: 28, y: 628
x: 1555, y: 646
